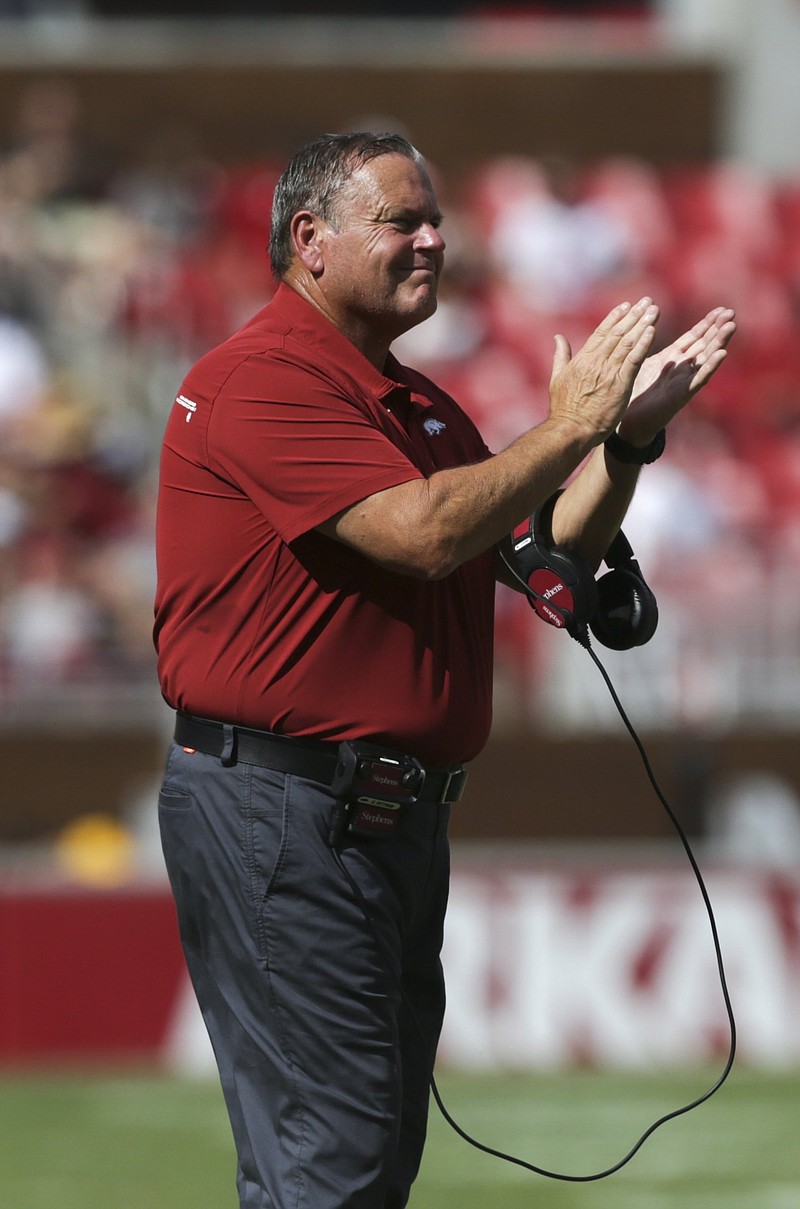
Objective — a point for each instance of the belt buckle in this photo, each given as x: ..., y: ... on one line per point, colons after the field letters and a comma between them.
x: 458, y: 774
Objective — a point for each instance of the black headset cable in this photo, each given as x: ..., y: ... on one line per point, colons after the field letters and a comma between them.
x: 581, y: 635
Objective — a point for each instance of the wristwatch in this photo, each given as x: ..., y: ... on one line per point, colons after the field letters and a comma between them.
x: 635, y: 455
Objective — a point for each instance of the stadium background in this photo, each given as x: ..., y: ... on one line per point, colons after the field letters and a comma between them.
x: 643, y: 147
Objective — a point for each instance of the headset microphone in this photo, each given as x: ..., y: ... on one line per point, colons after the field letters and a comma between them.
x: 619, y: 608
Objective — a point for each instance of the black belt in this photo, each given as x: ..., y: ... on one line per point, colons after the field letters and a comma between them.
x: 299, y: 757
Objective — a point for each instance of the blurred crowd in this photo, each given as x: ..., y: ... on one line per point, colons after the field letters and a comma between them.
x: 115, y: 276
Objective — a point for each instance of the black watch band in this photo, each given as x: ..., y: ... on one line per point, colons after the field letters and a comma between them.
x: 634, y: 455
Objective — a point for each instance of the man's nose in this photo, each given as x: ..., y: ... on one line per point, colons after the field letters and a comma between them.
x: 430, y: 237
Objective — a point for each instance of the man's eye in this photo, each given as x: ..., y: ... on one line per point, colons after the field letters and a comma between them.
x: 411, y: 224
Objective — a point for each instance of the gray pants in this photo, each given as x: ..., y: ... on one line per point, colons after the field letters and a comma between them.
x: 324, y: 1006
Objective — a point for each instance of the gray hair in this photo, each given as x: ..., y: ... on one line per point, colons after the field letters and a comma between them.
x: 314, y: 178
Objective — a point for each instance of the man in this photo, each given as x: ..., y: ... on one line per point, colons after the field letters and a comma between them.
x: 326, y: 546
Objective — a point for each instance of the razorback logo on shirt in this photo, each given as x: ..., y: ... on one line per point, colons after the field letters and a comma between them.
x: 434, y: 427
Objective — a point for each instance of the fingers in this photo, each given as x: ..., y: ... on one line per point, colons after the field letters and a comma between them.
x: 707, y: 367
x: 561, y: 356
x: 709, y: 351
x: 622, y: 323
x: 628, y: 341
x: 720, y: 334
x: 705, y: 346
x: 637, y: 342
x: 713, y: 331
x: 670, y: 378
x: 623, y: 340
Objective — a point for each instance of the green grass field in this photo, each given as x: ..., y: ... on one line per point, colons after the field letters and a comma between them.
x: 146, y: 1142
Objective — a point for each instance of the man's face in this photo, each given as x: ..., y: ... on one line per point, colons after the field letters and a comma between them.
x: 383, y: 259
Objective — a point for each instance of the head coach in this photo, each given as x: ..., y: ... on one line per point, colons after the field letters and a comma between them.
x: 327, y: 530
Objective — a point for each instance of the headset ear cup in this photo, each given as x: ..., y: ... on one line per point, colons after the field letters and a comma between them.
x: 578, y: 577
x: 627, y: 612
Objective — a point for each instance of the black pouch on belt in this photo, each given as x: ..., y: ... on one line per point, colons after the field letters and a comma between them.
x: 371, y: 789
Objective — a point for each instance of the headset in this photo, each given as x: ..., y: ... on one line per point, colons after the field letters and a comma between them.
x: 619, y: 608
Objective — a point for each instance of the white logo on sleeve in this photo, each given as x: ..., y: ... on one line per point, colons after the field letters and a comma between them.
x: 189, y: 404
x: 433, y: 427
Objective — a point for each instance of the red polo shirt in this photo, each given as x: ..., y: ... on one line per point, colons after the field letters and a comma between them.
x: 264, y: 621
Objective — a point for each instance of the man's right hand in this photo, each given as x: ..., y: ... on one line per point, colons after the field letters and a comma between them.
x: 593, y: 387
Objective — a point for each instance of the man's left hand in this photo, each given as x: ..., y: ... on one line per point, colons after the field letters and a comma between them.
x: 668, y: 379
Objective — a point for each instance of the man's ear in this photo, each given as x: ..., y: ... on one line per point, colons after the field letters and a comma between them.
x: 307, y: 231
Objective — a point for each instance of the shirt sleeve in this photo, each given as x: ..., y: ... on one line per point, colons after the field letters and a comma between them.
x: 306, y: 452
